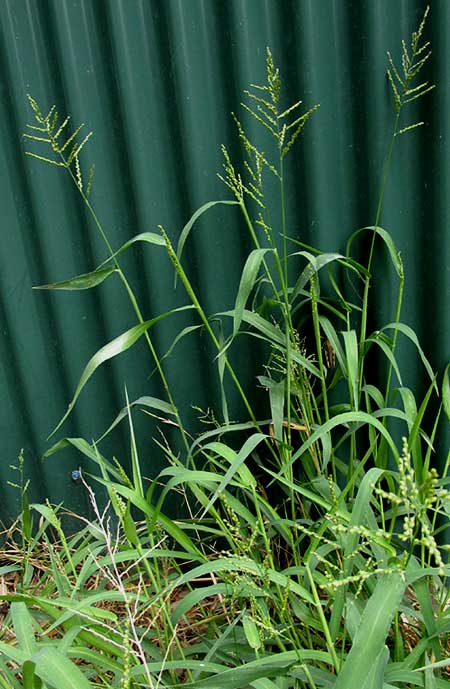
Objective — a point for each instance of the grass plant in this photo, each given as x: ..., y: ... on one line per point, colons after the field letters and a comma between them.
x: 312, y: 553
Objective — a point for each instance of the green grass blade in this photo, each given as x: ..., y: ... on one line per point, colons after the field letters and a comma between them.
x: 251, y: 632
x: 413, y: 440
x: 29, y: 678
x: 135, y: 467
x: 387, y: 351
x: 274, y: 335
x: 181, y: 335
x: 86, y: 449
x: 13, y: 653
x: 409, y: 405
x: 411, y: 335
x: 446, y: 391
x: 222, y: 430
x: 117, y: 346
x: 153, y: 403
x: 149, y: 237
x: 241, y: 676
x: 23, y: 627
x: 189, y: 225
x: 374, y: 393
x: 422, y: 591
x: 389, y: 242
x: 247, y: 282
x: 352, y: 360
x: 264, y: 683
x: 375, y: 674
x: 358, y: 517
x: 195, y: 596
x: 56, y: 670
x: 276, y: 399
x: 149, y: 511
x: 333, y: 339
x: 372, y: 631
x: 315, y: 263
x: 85, y: 281
x: 237, y: 463
x: 232, y: 458
x: 352, y: 417
x: 249, y: 566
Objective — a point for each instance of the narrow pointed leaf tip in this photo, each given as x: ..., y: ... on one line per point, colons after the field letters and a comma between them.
x: 84, y: 281
x: 109, y: 351
x: 117, y: 346
x: 149, y: 237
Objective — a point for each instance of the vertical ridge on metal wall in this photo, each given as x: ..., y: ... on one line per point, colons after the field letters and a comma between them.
x: 156, y: 80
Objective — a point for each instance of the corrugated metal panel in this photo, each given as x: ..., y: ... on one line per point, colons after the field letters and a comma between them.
x: 156, y: 80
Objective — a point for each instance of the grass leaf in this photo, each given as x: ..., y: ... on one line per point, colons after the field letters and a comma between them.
x: 247, y: 282
x: 237, y: 463
x: 149, y: 402
x: 372, y: 631
x: 446, y: 392
x: 352, y: 361
x: 189, y: 225
x: 315, y: 263
x: 85, y: 281
x: 411, y: 335
x: 389, y: 242
x: 23, y: 627
x: 117, y: 346
x: 149, y: 237
x: 56, y: 670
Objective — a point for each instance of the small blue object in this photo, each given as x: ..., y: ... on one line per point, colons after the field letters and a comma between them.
x: 76, y: 475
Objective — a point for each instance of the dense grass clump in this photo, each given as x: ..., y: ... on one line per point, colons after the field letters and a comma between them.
x: 310, y: 554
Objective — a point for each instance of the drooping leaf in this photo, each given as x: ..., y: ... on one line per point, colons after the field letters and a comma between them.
x: 245, y: 475
x: 86, y: 449
x: 149, y: 402
x: 149, y: 511
x: 353, y: 417
x: 222, y: 430
x: 377, y: 339
x: 189, y: 225
x: 315, y: 263
x: 237, y: 463
x: 117, y: 346
x: 411, y: 335
x: 79, y: 282
x: 274, y: 335
x: 149, y: 237
x: 389, y: 242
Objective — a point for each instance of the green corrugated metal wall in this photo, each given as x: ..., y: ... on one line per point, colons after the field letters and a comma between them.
x: 156, y: 80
